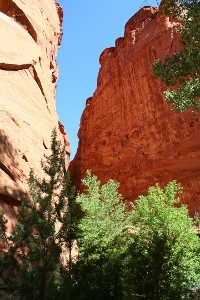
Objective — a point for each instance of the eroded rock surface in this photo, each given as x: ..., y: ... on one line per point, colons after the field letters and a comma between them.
x: 127, y: 130
x: 30, y: 34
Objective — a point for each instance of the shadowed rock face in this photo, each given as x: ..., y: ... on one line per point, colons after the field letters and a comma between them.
x: 30, y: 34
x: 127, y: 130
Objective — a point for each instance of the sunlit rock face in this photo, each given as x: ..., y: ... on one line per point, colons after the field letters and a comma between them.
x: 127, y: 130
x: 30, y: 34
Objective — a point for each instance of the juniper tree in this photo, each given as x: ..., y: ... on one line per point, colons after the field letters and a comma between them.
x: 30, y: 258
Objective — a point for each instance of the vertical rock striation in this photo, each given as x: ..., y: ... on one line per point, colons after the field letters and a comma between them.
x: 127, y: 130
x: 30, y: 34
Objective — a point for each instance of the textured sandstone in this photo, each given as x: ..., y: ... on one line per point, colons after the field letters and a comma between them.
x: 30, y: 34
x: 127, y: 130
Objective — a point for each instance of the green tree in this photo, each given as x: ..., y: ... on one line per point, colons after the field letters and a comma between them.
x: 30, y: 262
x: 163, y: 248
x: 182, y: 70
x: 149, y: 252
x: 101, y: 241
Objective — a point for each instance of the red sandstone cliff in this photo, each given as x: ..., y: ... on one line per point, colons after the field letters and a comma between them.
x: 127, y: 130
x: 30, y: 34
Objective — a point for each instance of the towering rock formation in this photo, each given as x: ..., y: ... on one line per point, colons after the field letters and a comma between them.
x: 127, y: 130
x: 30, y: 34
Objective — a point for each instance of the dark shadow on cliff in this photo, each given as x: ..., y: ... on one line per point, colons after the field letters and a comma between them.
x: 11, y: 187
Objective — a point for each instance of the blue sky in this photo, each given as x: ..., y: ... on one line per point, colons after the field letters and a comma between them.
x: 89, y: 27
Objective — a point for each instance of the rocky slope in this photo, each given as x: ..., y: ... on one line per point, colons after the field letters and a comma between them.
x: 127, y: 130
x: 30, y: 34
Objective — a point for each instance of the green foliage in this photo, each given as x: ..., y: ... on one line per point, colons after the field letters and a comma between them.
x: 182, y: 69
x: 164, y: 251
x: 100, y: 240
x: 30, y: 265
x: 149, y: 252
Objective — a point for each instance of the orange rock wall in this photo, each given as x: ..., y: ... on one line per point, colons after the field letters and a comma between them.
x: 30, y: 34
x: 127, y: 130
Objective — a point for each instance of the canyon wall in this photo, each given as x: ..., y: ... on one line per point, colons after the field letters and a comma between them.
x: 127, y: 130
x: 30, y: 34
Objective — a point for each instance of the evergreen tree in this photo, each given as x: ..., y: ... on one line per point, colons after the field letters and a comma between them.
x: 30, y: 264
x: 181, y: 70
